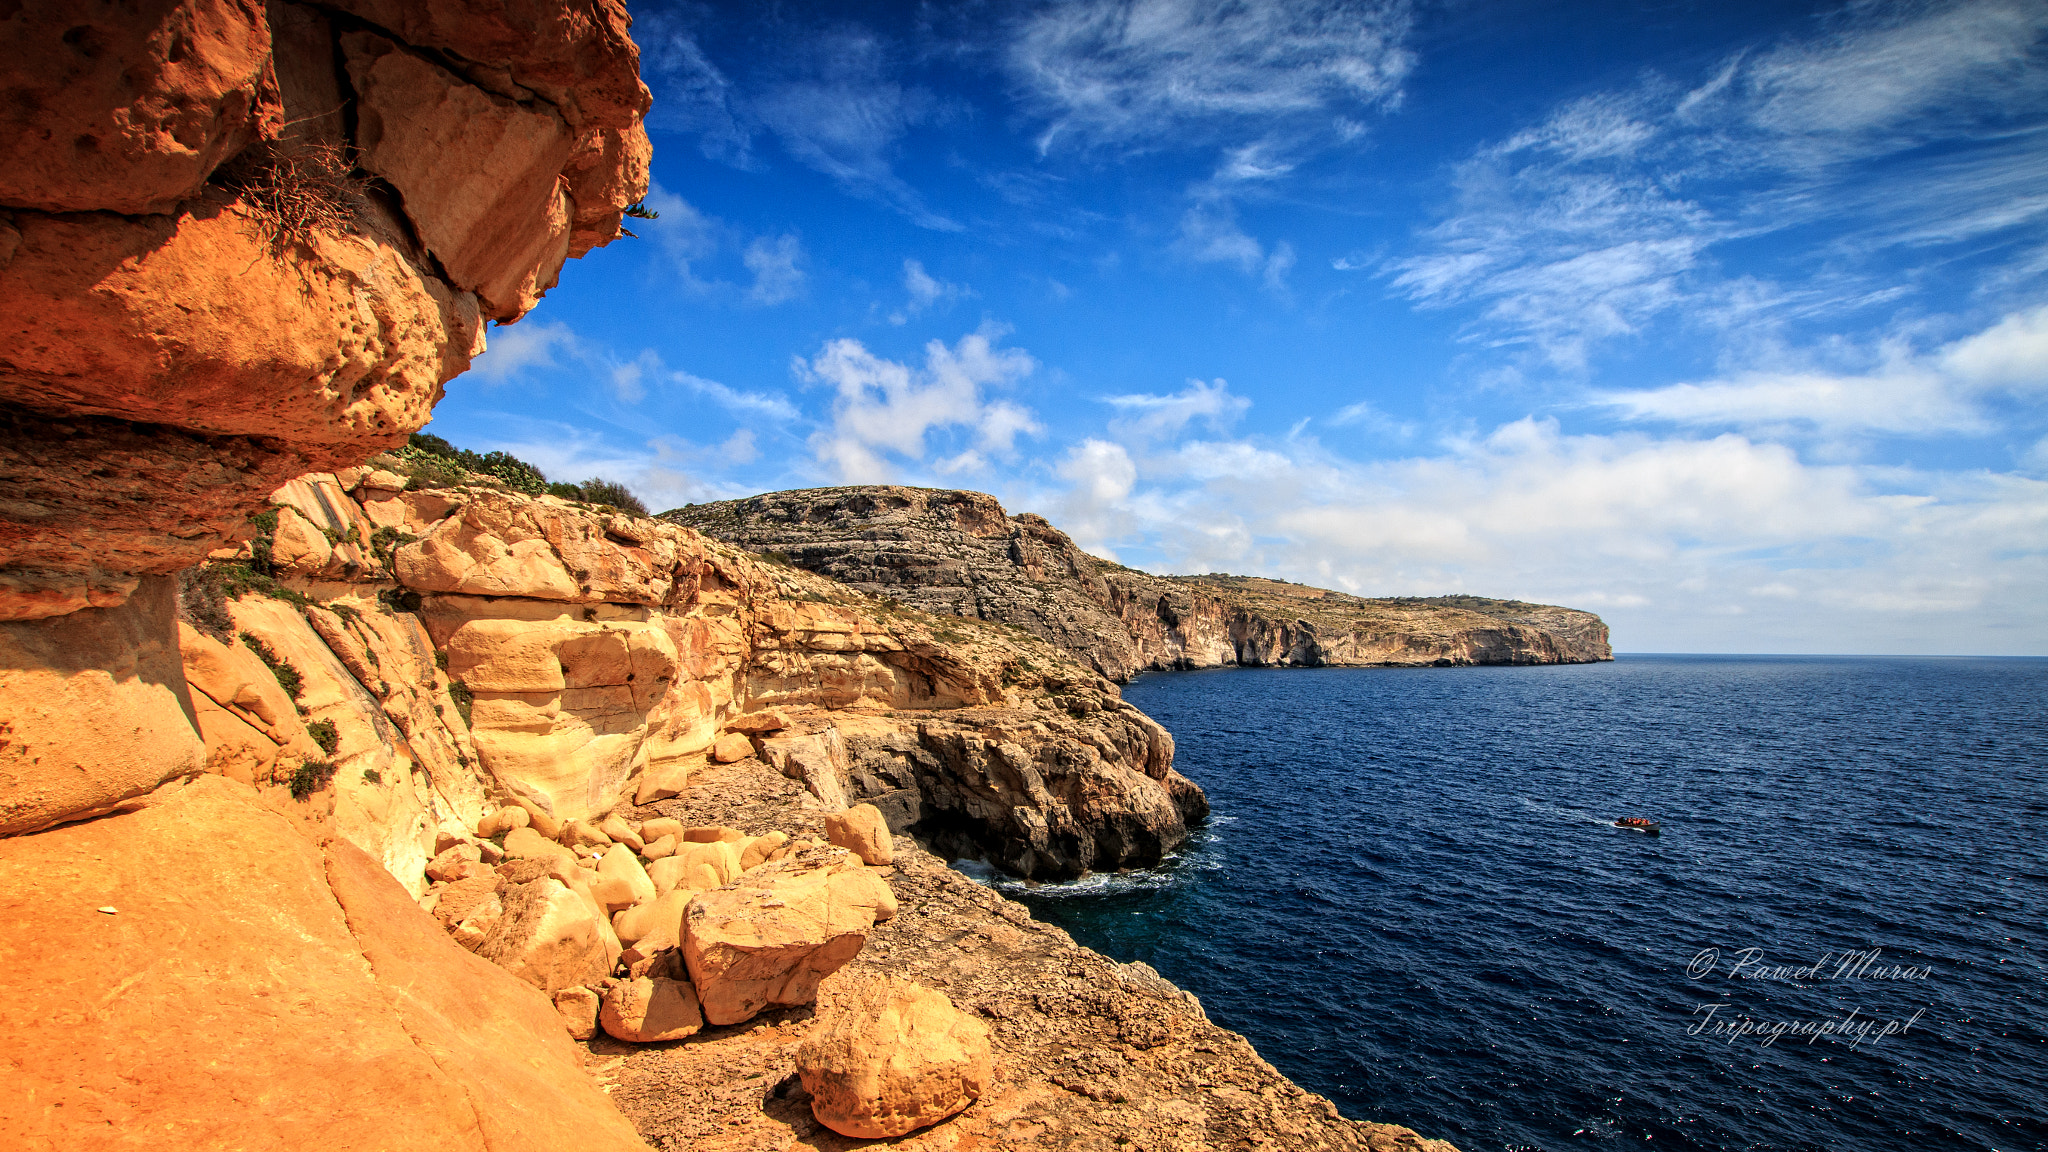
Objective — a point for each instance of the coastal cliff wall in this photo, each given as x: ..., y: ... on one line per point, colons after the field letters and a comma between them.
x: 960, y: 553
x: 600, y: 657
x: 323, y: 789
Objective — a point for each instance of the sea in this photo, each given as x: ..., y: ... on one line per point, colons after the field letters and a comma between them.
x: 1413, y: 898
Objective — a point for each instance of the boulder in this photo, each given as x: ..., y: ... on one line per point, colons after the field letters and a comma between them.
x: 655, y: 829
x: 478, y: 173
x: 666, y: 846
x: 760, y: 848
x: 621, y: 874
x: 890, y: 1057
x: 861, y: 830
x: 450, y: 863
x: 696, y: 866
x: 578, y: 1007
x: 503, y: 820
x: 550, y: 936
x: 651, y: 1010
x: 714, y: 833
x: 659, y: 919
x: 95, y: 708
x: 615, y: 827
x: 770, y: 940
x: 577, y: 832
x: 758, y: 722
x: 731, y: 748
x: 527, y: 844
x: 256, y: 991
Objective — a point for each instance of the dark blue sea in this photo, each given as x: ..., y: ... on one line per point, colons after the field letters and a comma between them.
x: 1413, y: 900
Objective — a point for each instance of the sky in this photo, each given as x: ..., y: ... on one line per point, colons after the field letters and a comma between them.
x: 1725, y: 320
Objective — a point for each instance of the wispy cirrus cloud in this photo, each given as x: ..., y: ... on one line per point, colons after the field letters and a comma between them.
x: 833, y: 96
x: 1608, y: 214
x: 1143, y: 74
x: 526, y: 351
x: 922, y: 290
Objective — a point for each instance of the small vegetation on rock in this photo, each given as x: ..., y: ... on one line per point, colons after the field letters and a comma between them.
x: 297, y: 189
x: 463, y: 697
x: 324, y: 734
x: 260, y: 545
x: 385, y: 543
x: 311, y: 777
x: 288, y: 677
x: 372, y: 776
x: 398, y: 600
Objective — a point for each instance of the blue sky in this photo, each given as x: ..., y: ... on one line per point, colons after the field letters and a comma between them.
x: 1728, y: 321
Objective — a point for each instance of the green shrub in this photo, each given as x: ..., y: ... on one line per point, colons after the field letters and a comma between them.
x: 430, y: 461
x: 613, y: 494
x: 323, y: 734
x: 261, y: 545
x: 288, y: 677
x: 385, y: 543
x: 311, y: 777
x: 463, y: 697
x: 372, y: 776
x: 399, y: 599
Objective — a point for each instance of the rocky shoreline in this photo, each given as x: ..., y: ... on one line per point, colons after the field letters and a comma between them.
x: 342, y: 785
x: 1091, y: 1054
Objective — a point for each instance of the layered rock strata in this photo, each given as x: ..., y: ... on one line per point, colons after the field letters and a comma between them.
x: 961, y: 554
x: 243, y: 241
x: 451, y: 651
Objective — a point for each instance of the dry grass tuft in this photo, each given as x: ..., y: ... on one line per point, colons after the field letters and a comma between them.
x: 298, y: 189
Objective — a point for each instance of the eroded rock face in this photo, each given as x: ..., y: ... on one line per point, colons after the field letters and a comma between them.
x: 126, y: 107
x: 961, y: 554
x: 93, y: 710
x: 173, y: 344
x: 891, y: 1056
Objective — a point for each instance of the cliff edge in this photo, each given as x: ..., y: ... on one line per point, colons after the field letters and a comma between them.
x: 961, y: 554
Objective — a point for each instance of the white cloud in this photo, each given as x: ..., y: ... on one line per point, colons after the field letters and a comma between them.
x: 922, y: 290
x: 1138, y: 73
x: 520, y: 348
x: 685, y: 235
x: 1940, y: 392
x: 1695, y: 544
x: 777, y: 279
x: 532, y: 347
x: 691, y: 94
x: 1209, y: 234
x: 884, y: 408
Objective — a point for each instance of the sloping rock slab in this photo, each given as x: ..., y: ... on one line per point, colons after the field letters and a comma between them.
x: 251, y: 991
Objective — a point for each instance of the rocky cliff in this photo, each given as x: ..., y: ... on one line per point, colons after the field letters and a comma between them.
x: 343, y: 800
x: 960, y: 553
x: 469, y: 646
x: 241, y: 241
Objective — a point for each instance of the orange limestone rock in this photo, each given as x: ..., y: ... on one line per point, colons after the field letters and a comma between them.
x: 275, y: 995
x: 202, y: 295
x: 892, y: 1056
